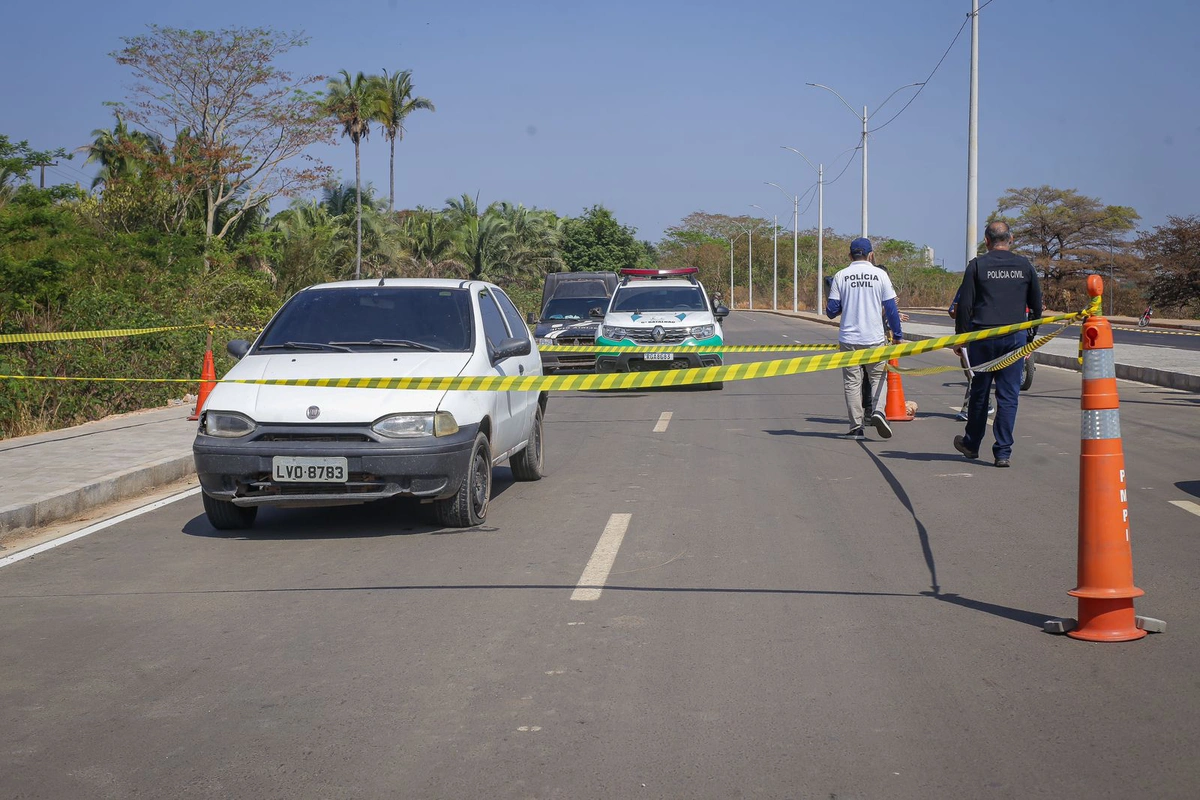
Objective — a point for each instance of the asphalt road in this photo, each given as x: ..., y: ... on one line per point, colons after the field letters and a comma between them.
x: 788, y: 614
x: 1122, y: 334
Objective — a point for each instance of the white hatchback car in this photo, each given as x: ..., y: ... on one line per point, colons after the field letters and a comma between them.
x: 298, y: 446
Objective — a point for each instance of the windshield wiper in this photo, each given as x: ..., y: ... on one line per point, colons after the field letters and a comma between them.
x: 304, y: 346
x: 408, y: 343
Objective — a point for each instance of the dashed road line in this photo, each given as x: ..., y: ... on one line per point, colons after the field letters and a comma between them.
x: 664, y: 420
x: 99, y: 526
x: 1187, y: 505
x: 591, y: 582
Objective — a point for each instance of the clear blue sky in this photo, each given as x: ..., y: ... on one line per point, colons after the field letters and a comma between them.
x: 657, y: 109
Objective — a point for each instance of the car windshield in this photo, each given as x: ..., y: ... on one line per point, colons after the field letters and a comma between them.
x: 660, y: 298
x: 573, y: 308
x: 374, y: 319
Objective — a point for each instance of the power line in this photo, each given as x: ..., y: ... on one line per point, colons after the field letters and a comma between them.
x: 921, y: 88
x: 843, y: 172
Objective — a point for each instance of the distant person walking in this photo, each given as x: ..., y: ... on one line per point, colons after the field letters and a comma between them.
x: 862, y: 294
x: 998, y: 288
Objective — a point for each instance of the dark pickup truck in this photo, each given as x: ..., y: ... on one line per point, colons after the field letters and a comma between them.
x: 573, y: 304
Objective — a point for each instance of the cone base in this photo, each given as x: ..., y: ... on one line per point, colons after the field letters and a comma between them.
x: 1107, y: 621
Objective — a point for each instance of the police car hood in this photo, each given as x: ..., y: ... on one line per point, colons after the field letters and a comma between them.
x: 291, y: 403
x: 553, y: 329
x: 648, y: 319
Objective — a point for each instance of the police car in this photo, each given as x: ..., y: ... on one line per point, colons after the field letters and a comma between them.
x: 660, y: 307
x: 298, y: 446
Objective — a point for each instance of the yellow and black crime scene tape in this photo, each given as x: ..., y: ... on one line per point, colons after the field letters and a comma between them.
x: 676, y: 348
x: 996, y: 364
x: 618, y: 380
x: 63, y: 336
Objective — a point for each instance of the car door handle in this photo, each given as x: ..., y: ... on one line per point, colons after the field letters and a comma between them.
x: 521, y: 368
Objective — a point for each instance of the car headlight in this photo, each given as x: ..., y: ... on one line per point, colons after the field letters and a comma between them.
x: 612, y: 332
x: 227, y: 424
x: 407, y: 426
x: 703, y: 331
x: 542, y: 341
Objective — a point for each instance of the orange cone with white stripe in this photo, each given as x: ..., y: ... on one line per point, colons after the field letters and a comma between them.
x: 896, y: 410
x: 1105, y: 573
x: 208, y: 377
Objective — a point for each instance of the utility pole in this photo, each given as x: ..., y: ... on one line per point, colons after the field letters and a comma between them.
x: 972, y: 141
x: 775, y: 269
x: 796, y: 252
x: 750, y: 264
x: 42, y: 165
x: 864, y: 173
x: 820, y: 238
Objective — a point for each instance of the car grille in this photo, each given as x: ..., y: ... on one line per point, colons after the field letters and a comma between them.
x: 314, y: 437
x: 646, y: 335
x: 576, y: 340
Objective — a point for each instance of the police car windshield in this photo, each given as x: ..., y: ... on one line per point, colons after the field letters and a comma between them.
x: 427, y: 318
x: 660, y: 298
x: 572, y: 308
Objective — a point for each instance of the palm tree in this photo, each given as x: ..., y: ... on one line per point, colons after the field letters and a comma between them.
x: 120, y: 151
x: 430, y: 246
x: 395, y: 104
x: 485, y: 241
x: 354, y: 102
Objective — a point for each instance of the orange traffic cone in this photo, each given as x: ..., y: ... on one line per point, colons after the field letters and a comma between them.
x: 208, y: 378
x: 896, y: 410
x: 1105, y: 589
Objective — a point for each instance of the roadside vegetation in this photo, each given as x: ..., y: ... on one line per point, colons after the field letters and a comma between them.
x: 209, y: 205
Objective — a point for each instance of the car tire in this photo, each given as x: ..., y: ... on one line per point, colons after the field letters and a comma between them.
x: 225, y: 516
x: 527, y: 465
x: 468, y: 506
x: 1027, y: 374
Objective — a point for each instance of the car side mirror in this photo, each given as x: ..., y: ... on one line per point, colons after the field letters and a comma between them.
x: 720, y: 312
x: 510, y: 348
x: 237, y: 348
x: 531, y: 318
x: 596, y: 313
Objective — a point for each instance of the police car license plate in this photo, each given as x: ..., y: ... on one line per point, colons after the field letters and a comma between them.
x: 301, y: 469
x: 659, y: 356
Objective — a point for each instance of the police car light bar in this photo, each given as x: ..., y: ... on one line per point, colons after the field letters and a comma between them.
x: 660, y: 273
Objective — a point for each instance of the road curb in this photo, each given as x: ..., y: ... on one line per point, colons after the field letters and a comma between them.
x: 79, y: 499
x: 1155, y: 377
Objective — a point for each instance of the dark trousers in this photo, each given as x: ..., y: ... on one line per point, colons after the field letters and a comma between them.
x: 1008, y: 391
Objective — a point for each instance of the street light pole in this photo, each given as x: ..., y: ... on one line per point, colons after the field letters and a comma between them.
x: 820, y: 168
x: 973, y: 140
x: 732, y: 239
x: 795, y: 198
x: 864, y: 119
x: 775, y: 267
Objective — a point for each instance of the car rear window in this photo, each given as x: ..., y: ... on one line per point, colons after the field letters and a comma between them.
x: 437, y: 318
x: 659, y: 298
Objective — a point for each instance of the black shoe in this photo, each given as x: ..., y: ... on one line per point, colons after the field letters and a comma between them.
x: 1002, y: 462
x: 854, y: 433
x: 881, y: 425
x: 960, y: 445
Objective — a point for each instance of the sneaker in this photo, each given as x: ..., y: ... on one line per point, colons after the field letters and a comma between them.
x: 854, y: 433
x: 991, y: 411
x: 962, y: 416
x: 960, y: 444
x: 879, y: 421
x: 1002, y: 462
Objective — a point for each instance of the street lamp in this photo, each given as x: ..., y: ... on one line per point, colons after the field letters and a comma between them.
x: 864, y: 119
x: 820, y: 227
x: 732, y: 239
x: 775, y: 261
x: 795, y: 198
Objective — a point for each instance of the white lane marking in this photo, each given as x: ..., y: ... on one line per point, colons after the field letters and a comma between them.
x: 1187, y: 505
x: 959, y: 408
x: 591, y: 582
x: 954, y: 475
x: 664, y: 420
x: 99, y: 526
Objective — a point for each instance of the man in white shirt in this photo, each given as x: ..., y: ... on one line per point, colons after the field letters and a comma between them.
x: 862, y: 294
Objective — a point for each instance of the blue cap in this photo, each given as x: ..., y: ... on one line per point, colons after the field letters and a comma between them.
x: 861, y: 246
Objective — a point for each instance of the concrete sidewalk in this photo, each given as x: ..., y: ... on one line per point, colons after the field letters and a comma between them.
x: 57, y: 475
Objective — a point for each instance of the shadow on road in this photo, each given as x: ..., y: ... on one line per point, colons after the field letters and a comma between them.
x: 398, y: 516
x: 1007, y: 612
x: 903, y: 456
x: 816, y: 434
x: 1191, y: 487
x: 902, y: 496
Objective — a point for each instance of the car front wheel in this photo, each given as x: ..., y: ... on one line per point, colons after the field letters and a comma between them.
x: 225, y: 516
x: 468, y: 506
x: 527, y: 464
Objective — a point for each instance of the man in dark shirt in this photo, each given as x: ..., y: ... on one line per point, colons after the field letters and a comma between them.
x: 997, y: 289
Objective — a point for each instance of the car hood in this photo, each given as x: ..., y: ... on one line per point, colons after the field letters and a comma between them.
x: 291, y: 403
x: 664, y: 318
x: 570, y: 328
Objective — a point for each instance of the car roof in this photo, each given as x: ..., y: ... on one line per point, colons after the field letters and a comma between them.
x: 418, y: 283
